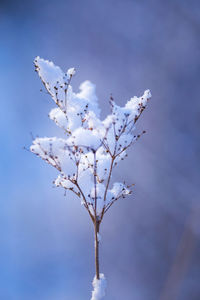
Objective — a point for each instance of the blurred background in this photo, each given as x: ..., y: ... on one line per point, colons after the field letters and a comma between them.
x: 150, y: 241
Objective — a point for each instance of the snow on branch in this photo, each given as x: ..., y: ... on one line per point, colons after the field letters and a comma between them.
x: 92, y: 147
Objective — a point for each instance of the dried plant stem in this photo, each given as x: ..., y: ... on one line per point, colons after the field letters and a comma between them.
x: 96, y: 220
x: 96, y: 229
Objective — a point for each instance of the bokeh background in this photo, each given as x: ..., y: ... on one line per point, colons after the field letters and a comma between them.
x: 151, y: 240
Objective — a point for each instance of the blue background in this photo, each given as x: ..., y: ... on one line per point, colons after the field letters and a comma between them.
x: 151, y: 240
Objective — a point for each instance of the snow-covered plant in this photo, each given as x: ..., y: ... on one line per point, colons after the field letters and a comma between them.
x: 91, y: 149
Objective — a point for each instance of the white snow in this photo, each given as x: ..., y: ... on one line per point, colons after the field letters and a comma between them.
x: 85, y: 138
x: 71, y: 72
x: 57, y: 115
x: 99, y: 287
x: 88, y: 95
x: 119, y: 189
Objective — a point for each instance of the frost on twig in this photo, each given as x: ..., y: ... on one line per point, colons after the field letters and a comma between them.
x: 91, y: 149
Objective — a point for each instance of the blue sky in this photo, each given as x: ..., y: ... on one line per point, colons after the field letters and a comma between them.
x: 124, y: 47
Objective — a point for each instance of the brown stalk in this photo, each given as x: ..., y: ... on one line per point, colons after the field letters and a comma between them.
x: 96, y: 220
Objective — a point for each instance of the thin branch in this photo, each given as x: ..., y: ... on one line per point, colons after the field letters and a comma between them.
x: 107, y: 185
x: 85, y: 201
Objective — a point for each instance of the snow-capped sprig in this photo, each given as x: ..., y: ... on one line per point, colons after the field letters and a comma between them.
x: 86, y: 157
x: 55, y: 81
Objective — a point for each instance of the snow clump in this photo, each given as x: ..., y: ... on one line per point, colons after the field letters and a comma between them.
x: 99, y: 286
